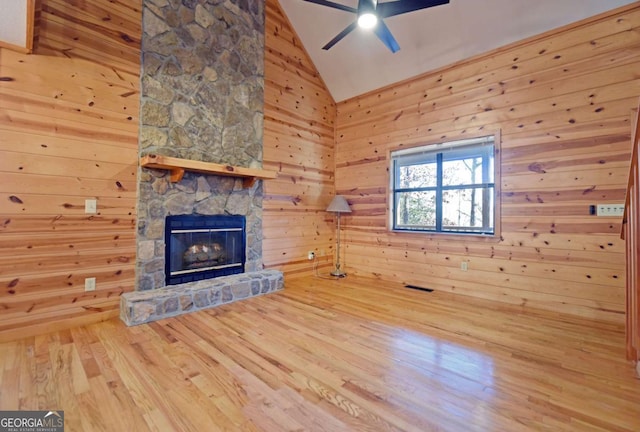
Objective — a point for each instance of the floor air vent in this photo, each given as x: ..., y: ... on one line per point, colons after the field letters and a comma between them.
x: 419, y: 288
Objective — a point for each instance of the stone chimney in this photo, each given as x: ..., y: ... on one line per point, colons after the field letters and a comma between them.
x: 202, y: 99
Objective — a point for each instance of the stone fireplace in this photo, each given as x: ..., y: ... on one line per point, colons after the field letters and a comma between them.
x: 202, y: 99
x: 202, y: 92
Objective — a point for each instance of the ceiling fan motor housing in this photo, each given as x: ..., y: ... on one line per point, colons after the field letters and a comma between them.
x: 367, y: 6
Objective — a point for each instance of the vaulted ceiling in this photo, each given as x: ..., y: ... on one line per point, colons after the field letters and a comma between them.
x: 429, y: 39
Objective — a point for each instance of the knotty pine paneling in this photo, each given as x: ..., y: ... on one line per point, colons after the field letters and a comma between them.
x: 562, y: 102
x: 104, y: 32
x: 299, y: 115
x: 68, y: 132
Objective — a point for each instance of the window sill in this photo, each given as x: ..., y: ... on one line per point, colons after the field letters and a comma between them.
x: 487, y: 238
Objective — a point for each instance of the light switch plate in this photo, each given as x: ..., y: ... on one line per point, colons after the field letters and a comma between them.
x: 609, y: 209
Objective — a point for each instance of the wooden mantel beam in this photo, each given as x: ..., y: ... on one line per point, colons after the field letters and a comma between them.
x: 177, y: 168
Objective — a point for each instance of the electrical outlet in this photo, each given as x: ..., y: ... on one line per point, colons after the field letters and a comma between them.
x: 609, y: 209
x: 90, y: 284
x: 464, y: 266
x: 90, y: 206
x: 311, y: 255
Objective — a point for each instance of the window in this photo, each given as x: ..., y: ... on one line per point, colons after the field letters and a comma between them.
x: 445, y: 188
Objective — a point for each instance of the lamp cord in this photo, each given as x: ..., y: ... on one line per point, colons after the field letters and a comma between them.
x: 317, y: 273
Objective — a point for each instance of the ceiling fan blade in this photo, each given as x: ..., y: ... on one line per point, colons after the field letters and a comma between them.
x: 398, y: 7
x: 333, y: 5
x: 384, y: 34
x: 340, y: 35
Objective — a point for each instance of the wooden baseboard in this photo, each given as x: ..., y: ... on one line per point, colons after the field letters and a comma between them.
x: 44, y: 328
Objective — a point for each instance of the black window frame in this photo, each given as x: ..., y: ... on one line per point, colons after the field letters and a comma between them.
x: 486, y: 147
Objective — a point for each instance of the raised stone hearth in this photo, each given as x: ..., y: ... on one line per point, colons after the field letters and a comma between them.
x: 140, y: 307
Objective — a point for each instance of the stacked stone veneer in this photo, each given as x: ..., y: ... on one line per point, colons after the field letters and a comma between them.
x: 139, y: 307
x: 202, y: 86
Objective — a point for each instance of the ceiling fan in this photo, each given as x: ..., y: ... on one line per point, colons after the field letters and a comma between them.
x: 370, y: 14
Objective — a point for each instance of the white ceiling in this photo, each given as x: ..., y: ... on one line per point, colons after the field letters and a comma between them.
x: 428, y: 38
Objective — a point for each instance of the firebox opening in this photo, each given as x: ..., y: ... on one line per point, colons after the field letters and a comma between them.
x: 203, y: 247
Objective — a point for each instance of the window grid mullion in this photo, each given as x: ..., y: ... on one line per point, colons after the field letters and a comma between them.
x: 446, y: 188
x: 485, y: 193
x: 439, y: 192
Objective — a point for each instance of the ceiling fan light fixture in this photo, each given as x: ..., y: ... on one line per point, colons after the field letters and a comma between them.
x: 367, y: 20
x: 370, y: 11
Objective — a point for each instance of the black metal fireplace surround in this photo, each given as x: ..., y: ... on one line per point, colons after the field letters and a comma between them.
x: 203, y: 247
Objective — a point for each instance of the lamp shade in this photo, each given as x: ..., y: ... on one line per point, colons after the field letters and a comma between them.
x: 339, y: 205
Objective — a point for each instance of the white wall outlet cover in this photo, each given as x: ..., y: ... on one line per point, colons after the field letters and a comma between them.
x: 90, y: 284
x: 90, y: 206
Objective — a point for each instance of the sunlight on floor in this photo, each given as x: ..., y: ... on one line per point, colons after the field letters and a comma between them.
x: 454, y: 370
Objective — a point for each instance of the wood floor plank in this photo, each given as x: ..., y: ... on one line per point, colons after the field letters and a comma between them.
x: 333, y: 355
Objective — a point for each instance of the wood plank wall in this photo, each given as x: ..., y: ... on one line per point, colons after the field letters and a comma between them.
x: 68, y: 132
x: 562, y: 102
x: 299, y: 115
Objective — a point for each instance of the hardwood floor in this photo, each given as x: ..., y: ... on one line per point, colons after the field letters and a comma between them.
x: 322, y: 355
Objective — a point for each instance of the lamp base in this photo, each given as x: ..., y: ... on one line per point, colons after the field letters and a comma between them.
x: 338, y: 273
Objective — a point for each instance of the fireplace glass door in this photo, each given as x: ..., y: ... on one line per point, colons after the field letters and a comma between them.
x: 202, y: 247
